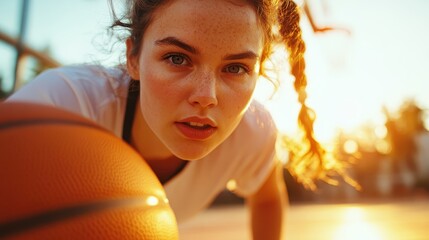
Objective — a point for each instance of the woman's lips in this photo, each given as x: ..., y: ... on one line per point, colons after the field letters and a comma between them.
x: 196, y: 128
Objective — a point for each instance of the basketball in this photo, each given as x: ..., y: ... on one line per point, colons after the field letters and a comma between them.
x: 64, y: 177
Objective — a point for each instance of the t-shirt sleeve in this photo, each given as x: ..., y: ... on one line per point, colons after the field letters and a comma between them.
x: 52, y: 87
x: 64, y: 87
x: 92, y: 91
x: 259, y: 140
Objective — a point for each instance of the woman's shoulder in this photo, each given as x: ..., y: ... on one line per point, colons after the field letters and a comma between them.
x: 256, y: 130
x: 258, y: 120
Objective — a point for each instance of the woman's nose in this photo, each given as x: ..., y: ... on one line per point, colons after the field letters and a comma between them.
x: 204, y: 92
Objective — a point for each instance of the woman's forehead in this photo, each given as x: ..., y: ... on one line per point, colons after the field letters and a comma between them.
x: 212, y: 18
x: 243, y: 9
x: 213, y: 13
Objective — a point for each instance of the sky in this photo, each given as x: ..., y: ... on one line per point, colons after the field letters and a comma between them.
x: 351, y: 76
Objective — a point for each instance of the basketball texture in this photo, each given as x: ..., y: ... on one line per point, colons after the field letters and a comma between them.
x: 65, y: 177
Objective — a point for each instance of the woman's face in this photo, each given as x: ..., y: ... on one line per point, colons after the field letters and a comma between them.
x: 198, y: 66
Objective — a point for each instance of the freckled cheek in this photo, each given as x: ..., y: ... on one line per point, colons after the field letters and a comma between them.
x: 161, y: 91
x: 237, y: 101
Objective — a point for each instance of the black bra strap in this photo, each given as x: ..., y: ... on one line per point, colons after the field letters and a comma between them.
x: 132, y: 97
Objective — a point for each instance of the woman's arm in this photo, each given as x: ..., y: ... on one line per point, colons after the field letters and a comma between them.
x: 268, y: 206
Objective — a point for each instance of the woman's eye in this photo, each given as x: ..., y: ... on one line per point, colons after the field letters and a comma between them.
x: 236, y: 69
x: 177, y: 59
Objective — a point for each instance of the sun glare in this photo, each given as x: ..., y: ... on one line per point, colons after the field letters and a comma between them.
x: 356, y: 227
x: 334, y: 94
x: 283, y: 103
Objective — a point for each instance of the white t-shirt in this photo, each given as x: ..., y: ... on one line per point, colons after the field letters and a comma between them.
x: 100, y: 94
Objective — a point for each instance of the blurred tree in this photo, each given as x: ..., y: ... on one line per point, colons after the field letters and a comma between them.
x: 402, y: 128
x: 411, y: 117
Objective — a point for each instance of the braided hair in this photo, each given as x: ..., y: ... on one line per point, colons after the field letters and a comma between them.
x: 308, y: 160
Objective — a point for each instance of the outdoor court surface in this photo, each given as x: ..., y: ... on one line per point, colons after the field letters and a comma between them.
x: 381, y: 220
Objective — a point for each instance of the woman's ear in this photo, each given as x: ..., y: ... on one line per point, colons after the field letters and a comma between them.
x: 132, y: 61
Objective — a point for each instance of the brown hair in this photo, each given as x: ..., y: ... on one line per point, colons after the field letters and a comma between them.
x: 281, y: 15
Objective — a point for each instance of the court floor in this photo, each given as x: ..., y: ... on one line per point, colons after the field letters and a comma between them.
x: 381, y: 220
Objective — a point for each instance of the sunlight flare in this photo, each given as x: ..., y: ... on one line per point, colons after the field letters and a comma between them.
x: 356, y: 227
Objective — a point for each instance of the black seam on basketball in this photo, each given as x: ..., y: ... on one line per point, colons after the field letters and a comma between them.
x: 32, y: 122
x: 21, y: 225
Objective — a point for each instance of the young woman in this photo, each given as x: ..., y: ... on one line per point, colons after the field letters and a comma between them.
x: 184, y: 99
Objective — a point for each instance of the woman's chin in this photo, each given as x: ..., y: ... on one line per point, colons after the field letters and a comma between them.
x: 191, y: 154
x: 190, y: 157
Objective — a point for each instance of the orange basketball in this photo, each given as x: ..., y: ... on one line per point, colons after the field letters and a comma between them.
x: 64, y: 177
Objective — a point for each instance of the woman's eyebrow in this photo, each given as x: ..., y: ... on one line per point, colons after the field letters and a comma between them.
x: 176, y: 42
x: 243, y: 55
